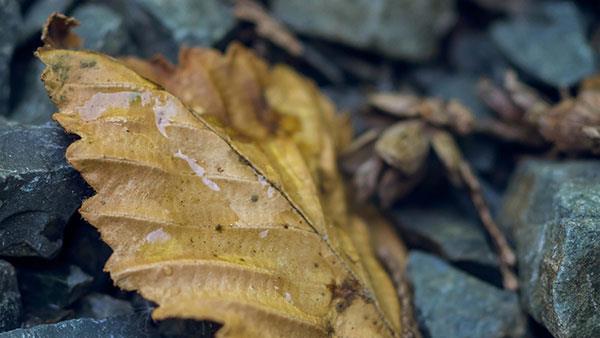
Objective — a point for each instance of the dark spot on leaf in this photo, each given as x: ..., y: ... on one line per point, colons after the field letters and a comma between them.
x: 344, y: 294
x: 219, y: 228
x: 254, y: 198
x: 87, y: 63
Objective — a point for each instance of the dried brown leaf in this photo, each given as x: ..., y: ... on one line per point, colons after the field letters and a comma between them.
x: 56, y: 32
x: 397, y: 104
x: 392, y: 252
x: 366, y: 178
x: 261, y: 254
x: 404, y: 146
x: 393, y: 186
x: 267, y: 26
x: 570, y: 124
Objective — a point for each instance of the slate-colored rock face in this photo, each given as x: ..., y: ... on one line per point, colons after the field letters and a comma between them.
x: 52, y: 288
x: 192, y: 22
x: 446, y: 232
x: 407, y: 29
x: 10, y: 18
x: 549, y: 44
x: 134, y: 326
x: 450, y: 303
x: 10, y: 298
x: 102, y: 29
x: 39, y: 191
x: 32, y: 105
x: 553, y: 212
x: 97, y: 305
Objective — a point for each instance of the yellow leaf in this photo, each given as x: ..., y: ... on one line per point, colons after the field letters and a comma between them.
x: 404, y: 146
x: 210, y: 224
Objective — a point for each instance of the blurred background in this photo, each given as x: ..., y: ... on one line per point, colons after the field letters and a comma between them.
x: 497, y: 58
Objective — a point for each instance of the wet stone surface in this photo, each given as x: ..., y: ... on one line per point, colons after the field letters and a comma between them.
x: 52, y: 288
x: 32, y: 105
x: 553, y: 212
x: 450, y: 303
x: 98, y: 306
x: 102, y: 29
x: 10, y: 18
x: 532, y: 43
x: 138, y: 326
x: 10, y: 298
x: 406, y: 29
x: 192, y: 22
x: 39, y: 190
x: 446, y: 232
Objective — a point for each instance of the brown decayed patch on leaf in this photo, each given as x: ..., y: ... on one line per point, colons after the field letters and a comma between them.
x: 56, y: 32
x: 262, y: 266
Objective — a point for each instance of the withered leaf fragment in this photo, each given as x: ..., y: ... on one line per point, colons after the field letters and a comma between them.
x: 57, y: 33
x: 570, y: 126
x: 424, y: 124
x: 267, y: 26
x: 213, y: 224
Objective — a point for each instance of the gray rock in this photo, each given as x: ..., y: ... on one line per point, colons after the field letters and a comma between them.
x: 475, y: 53
x: 52, y: 288
x: 10, y: 18
x: 85, y: 249
x: 406, y: 29
x: 192, y: 22
x: 39, y: 191
x: 32, y: 103
x: 549, y: 45
x: 36, y: 16
x: 10, y: 298
x: 450, y: 303
x: 98, y: 306
x: 102, y: 29
x: 446, y: 232
x: 462, y: 87
x: 135, y: 326
x: 454, y: 86
x: 553, y: 212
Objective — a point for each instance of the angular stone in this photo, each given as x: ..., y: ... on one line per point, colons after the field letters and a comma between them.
x: 53, y: 288
x: 445, y: 231
x: 450, y: 303
x: 84, y: 248
x: 454, y: 86
x: 102, y: 29
x: 192, y: 22
x: 10, y: 298
x: 32, y: 103
x: 135, y: 326
x: 39, y: 191
x: 406, y: 29
x: 475, y: 53
x: 549, y: 44
x: 10, y: 19
x: 98, y: 306
x: 553, y: 212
